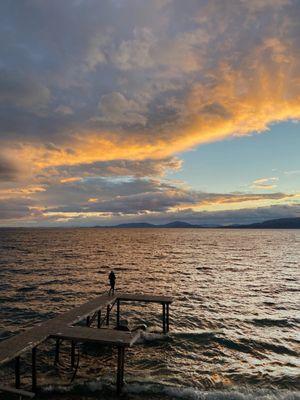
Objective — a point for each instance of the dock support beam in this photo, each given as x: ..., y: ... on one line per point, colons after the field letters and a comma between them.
x: 99, y: 319
x: 17, y: 373
x: 72, y: 354
x: 120, y: 372
x: 107, y: 315
x: 118, y: 313
x: 33, y: 369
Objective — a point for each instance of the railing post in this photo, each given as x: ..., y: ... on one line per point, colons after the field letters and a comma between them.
x: 17, y: 373
x: 99, y: 319
x: 33, y: 369
x: 120, y: 371
x: 118, y: 313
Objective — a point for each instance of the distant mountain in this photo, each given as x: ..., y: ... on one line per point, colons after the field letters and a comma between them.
x: 179, y: 224
x: 281, y: 223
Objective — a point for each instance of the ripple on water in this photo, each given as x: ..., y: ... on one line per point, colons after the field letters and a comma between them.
x: 234, y: 319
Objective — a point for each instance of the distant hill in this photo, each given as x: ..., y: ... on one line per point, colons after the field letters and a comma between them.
x: 281, y: 223
x: 179, y: 224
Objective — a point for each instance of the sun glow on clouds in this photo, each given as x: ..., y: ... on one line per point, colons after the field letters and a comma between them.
x: 128, y: 93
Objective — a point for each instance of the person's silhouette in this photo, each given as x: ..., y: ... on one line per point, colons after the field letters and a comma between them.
x: 112, y: 282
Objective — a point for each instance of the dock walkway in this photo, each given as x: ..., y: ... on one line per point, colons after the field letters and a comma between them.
x: 61, y: 328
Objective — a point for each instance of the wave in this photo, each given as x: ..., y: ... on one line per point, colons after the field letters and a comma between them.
x: 191, y: 393
x: 244, y: 345
x: 273, y: 322
x: 262, y: 346
x: 27, y: 288
x: 153, y: 390
x: 195, y: 336
x: 147, y: 337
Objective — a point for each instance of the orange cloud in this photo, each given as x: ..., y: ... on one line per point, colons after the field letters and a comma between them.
x: 71, y: 179
x: 239, y: 101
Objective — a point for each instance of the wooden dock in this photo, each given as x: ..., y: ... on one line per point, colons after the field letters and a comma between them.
x: 62, y: 328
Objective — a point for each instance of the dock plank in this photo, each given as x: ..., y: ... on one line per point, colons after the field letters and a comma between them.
x: 25, y: 341
x: 77, y: 314
x: 103, y: 336
x: 19, y: 392
x: 21, y: 343
x: 145, y: 298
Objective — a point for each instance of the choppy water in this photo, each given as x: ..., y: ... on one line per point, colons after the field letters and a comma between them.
x: 234, y: 324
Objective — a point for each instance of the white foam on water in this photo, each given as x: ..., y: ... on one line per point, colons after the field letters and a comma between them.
x: 150, y: 337
x: 191, y: 393
x: 148, y: 389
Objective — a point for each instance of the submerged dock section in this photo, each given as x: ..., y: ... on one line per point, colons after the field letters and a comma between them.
x: 62, y: 328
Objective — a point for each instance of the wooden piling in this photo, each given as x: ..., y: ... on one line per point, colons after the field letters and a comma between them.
x: 120, y: 371
x: 33, y: 369
x: 88, y: 321
x: 17, y: 373
x: 72, y: 354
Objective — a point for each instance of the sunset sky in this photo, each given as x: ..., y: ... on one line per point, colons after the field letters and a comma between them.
x: 149, y: 110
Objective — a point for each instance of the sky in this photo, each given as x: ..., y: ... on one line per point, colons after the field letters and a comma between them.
x: 119, y: 111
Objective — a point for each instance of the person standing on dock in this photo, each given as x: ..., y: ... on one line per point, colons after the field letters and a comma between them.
x: 112, y: 282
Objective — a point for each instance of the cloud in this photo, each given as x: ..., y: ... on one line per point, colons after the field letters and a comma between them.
x: 125, y: 197
x: 292, y: 172
x: 116, y: 109
x: 66, y: 110
x: 265, y: 183
x: 16, y: 208
x: 115, y: 168
x: 94, y: 97
x: 161, y: 199
x: 19, y: 90
x: 112, y: 200
x: 9, y: 171
x: 130, y: 80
